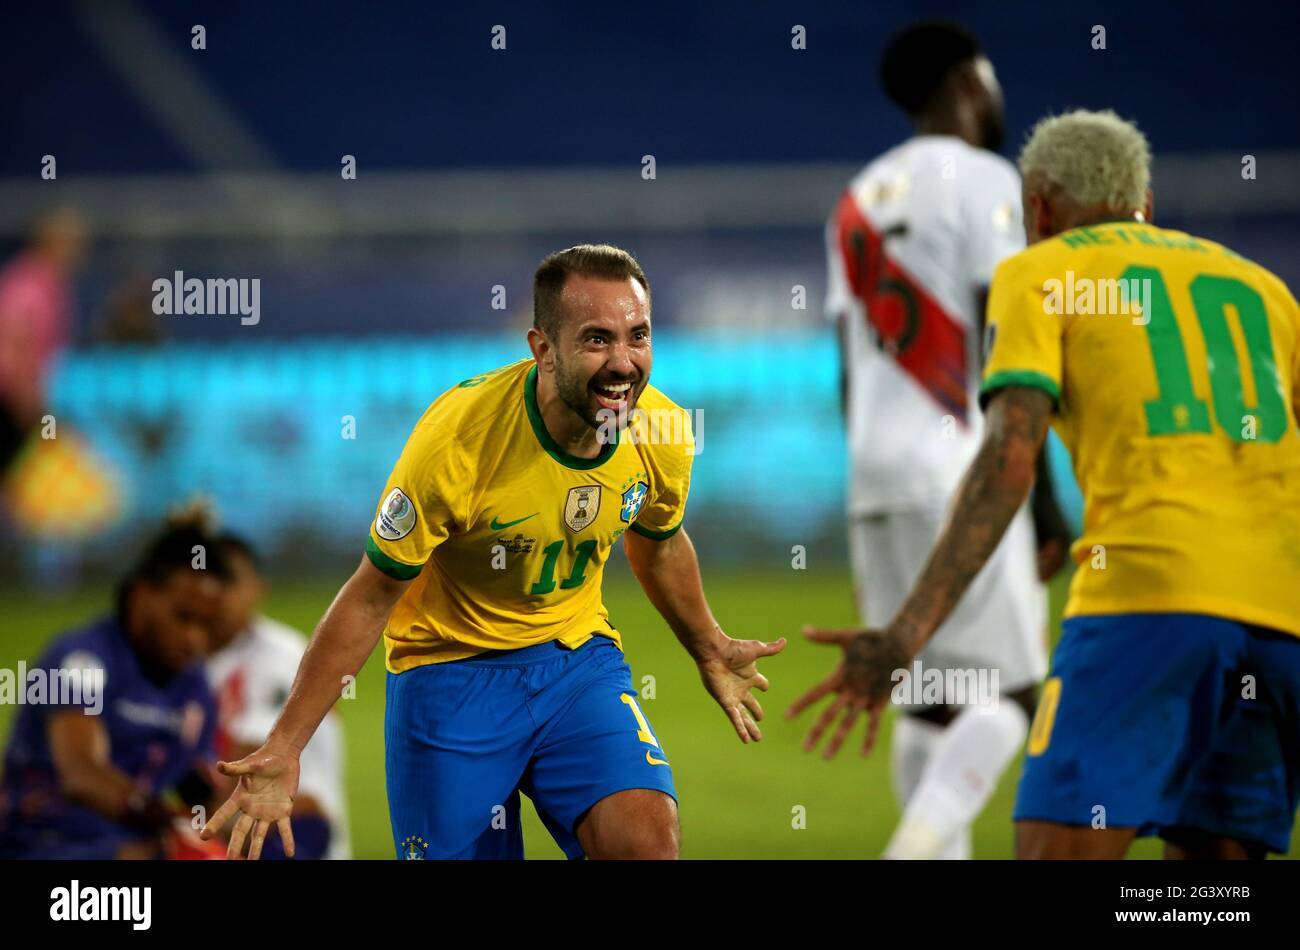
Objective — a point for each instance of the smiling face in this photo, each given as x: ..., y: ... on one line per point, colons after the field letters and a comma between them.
x: 601, y: 352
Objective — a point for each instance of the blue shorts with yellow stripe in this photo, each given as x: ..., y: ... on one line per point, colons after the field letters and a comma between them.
x: 465, y: 738
x: 1168, y: 722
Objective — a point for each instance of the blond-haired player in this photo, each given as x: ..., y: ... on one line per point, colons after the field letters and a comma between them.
x: 1171, y: 367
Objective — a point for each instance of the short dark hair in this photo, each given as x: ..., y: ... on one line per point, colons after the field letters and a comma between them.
x: 172, y: 550
x: 604, y: 261
x: 919, y: 58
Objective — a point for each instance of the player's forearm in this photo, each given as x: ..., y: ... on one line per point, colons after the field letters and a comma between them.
x: 110, y: 792
x: 1049, y: 520
x: 101, y: 788
x: 344, y: 639
x: 983, y: 511
x: 669, y: 574
x: 994, y: 488
x: 79, y: 748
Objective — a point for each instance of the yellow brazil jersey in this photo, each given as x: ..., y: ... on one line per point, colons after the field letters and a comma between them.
x: 505, y: 534
x: 1175, y: 364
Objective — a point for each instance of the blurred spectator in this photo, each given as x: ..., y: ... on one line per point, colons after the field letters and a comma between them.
x: 35, y: 321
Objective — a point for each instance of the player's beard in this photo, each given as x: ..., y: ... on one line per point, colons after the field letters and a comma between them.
x: 575, y: 393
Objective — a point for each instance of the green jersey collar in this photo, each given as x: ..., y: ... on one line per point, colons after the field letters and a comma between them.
x: 549, y: 444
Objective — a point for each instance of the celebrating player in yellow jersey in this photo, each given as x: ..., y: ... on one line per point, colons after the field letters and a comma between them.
x: 483, y: 573
x: 1172, y: 366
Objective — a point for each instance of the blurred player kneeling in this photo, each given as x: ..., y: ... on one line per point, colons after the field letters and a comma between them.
x: 104, y: 765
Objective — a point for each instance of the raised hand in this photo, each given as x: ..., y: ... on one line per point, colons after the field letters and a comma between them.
x: 263, y: 796
x: 731, y: 674
x: 862, y: 682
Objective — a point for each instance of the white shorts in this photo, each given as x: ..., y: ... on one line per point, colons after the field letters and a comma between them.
x: 999, y: 624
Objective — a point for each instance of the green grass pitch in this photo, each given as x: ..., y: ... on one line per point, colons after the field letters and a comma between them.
x: 736, y: 801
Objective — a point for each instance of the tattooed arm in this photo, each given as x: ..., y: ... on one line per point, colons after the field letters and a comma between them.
x: 1051, y: 531
x: 995, y: 486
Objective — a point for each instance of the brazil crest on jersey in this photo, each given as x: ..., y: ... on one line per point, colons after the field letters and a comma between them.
x: 505, y: 534
x: 1175, y: 365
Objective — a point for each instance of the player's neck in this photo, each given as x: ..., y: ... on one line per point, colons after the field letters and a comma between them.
x: 945, y: 122
x: 154, y: 671
x: 1098, y: 216
x: 569, y: 430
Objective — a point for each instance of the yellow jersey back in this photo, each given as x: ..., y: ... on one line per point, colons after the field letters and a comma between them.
x: 1175, y: 366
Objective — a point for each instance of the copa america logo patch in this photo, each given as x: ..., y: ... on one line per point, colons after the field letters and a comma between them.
x: 396, y: 516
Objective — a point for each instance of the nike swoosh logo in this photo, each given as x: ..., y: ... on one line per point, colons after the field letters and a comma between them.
x: 652, y: 760
x: 506, y: 524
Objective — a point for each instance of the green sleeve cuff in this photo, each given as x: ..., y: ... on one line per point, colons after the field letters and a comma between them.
x: 655, y: 535
x: 1019, y: 377
x: 394, y: 569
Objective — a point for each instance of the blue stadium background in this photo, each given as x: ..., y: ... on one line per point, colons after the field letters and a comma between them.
x: 473, y: 163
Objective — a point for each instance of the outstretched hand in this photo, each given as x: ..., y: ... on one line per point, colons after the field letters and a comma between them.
x: 862, y: 682
x: 731, y: 675
x: 263, y: 796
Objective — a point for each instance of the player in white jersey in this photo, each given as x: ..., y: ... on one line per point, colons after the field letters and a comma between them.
x: 251, y: 669
x: 912, y: 246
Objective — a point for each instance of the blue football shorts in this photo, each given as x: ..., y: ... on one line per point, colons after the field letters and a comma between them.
x: 1163, y: 722
x: 465, y: 738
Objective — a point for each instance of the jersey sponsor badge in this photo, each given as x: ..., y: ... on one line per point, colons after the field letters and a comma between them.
x: 396, y: 517
x: 581, y: 506
x: 518, y: 544
x: 633, y: 499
